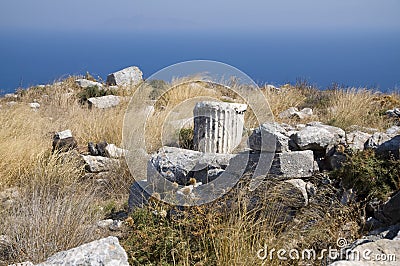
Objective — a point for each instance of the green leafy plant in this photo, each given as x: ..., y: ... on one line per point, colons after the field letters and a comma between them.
x: 93, y: 91
x: 186, y: 138
x: 370, y: 175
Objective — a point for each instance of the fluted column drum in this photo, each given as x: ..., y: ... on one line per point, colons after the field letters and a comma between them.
x: 218, y: 126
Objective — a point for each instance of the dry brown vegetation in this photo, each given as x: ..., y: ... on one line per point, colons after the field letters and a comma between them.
x: 57, y: 207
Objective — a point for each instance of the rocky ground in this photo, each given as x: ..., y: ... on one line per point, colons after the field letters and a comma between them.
x: 330, y: 179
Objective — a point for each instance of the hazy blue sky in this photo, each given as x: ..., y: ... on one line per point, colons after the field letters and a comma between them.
x: 205, y: 15
x: 351, y: 42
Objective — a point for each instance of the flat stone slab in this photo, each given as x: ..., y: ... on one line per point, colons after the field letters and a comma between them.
x: 317, y: 136
x: 103, y: 102
x: 84, y: 83
x: 102, y: 252
x: 295, y: 164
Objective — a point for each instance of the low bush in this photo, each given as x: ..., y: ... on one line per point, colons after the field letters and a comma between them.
x: 369, y: 175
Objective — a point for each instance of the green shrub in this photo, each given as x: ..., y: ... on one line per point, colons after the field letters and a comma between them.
x: 186, y: 138
x: 369, y: 175
x: 158, y: 87
x: 156, y: 240
x: 93, y: 91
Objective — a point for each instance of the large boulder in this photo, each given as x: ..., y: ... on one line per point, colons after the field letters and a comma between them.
x: 293, y: 164
x: 63, y: 141
x: 301, y: 186
x: 356, y: 139
x: 104, y: 101
x: 380, y: 252
x: 393, y: 131
x: 390, y: 148
x: 179, y: 165
x: 34, y: 105
x: 318, y: 137
x: 274, y: 136
x: 125, y: 77
x: 389, y: 212
x: 102, y: 252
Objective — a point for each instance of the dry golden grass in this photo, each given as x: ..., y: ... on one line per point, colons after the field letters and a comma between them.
x: 54, y: 212
x: 58, y: 207
x: 280, y: 101
x: 354, y: 107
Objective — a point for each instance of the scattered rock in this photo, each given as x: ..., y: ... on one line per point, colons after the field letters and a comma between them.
x: 95, y: 164
x: 104, y: 102
x: 116, y: 225
x: 125, y: 77
x: 63, y: 141
x: 11, y: 103
x: 92, y: 149
x: 300, y: 185
x: 113, y: 151
x: 274, y: 137
x: 11, y: 96
x: 293, y: 112
x: 34, y: 105
x: 293, y: 164
x: 84, y: 83
x: 105, y: 223
x: 104, y: 252
x: 393, y: 112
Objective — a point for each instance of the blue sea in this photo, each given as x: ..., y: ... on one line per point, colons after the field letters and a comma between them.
x: 356, y: 59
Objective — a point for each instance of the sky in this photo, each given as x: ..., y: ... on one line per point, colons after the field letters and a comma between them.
x: 352, y: 42
x: 215, y: 16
